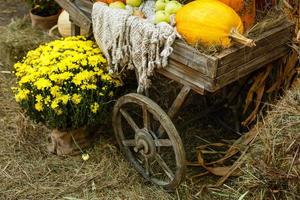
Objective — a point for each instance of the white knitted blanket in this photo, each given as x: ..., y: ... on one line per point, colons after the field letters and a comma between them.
x: 130, y: 42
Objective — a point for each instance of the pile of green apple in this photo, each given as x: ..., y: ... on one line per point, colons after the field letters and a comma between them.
x: 121, y: 4
x: 164, y: 9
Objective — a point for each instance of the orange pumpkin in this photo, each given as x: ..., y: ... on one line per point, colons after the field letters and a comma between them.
x: 103, y: 1
x: 246, y: 10
x: 111, y: 1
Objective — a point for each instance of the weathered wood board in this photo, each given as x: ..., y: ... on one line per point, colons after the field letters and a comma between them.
x: 79, y: 10
x: 204, y: 72
x: 217, y: 71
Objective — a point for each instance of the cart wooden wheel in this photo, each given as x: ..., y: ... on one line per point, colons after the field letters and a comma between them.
x: 160, y: 158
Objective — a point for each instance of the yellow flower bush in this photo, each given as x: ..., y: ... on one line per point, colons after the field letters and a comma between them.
x: 65, y: 83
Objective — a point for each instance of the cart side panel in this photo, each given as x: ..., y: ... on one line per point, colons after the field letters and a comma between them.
x: 192, y: 58
x: 203, y: 72
x: 188, y: 76
x: 214, y: 72
x: 235, y: 57
x: 251, y: 66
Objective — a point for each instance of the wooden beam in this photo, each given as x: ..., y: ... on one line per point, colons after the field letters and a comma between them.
x: 78, y: 17
x: 75, y: 30
x: 176, y: 105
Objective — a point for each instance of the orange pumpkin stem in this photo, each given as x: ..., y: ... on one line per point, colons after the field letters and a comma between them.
x: 239, y: 38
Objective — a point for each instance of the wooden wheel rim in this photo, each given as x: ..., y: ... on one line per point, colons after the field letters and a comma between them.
x: 166, y: 123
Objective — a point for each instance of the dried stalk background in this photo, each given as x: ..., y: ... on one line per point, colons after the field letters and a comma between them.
x: 278, y: 180
x: 268, y: 82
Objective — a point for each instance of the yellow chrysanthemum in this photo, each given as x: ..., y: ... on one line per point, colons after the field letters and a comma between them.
x: 69, y: 71
x: 64, y: 99
x: 22, y: 95
x: 76, y: 98
x: 39, y: 106
x: 47, y: 100
x: 55, y: 91
x: 42, y: 83
x: 58, y: 111
x: 38, y: 98
x: 93, y: 61
x: 84, y: 77
x: 95, y: 107
x: 54, y: 104
x: 89, y: 87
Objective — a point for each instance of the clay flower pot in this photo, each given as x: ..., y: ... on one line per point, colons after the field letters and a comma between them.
x: 44, y: 23
x: 69, y: 142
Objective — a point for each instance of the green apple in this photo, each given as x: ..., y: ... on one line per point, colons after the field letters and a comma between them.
x: 172, y: 7
x: 161, y: 16
x: 134, y: 3
x: 160, y: 5
x: 117, y: 4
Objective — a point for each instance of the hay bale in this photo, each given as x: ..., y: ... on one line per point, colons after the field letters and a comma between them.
x: 17, y: 39
x: 272, y: 165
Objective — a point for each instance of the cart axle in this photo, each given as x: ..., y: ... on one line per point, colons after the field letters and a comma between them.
x: 144, y: 143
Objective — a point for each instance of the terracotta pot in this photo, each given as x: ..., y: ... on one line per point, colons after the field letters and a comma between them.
x: 43, y: 23
x: 69, y: 142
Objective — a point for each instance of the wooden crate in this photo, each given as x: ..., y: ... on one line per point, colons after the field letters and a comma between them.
x: 203, y: 72
x: 210, y: 73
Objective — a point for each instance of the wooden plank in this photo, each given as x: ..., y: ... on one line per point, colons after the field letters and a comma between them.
x: 258, y: 52
x: 187, y: 72
x: 176, y: 105
x: 178, y: 102
x: 191, y: 57
x: 268, y: 41
x: 251, y: 66
x: 78, y: 17
x: 75, y: 30
x: 198, y: 88
x: 229, y: 51
x: 228, y: 55
x: 85, y: 6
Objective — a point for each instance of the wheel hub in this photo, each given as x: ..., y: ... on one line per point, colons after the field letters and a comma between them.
x: 144, y: 143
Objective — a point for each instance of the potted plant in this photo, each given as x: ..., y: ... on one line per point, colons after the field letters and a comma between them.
x: 65, y: 85
x: 44, y: 13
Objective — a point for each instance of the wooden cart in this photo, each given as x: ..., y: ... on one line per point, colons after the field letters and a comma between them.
x: 143, y: 145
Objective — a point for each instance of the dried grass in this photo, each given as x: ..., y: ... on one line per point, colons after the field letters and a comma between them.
x: 17, y: 39
x: 272, y: 165
x: 28, y: 171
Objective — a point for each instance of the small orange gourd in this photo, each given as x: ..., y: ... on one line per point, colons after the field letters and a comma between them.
x: 246, y: 10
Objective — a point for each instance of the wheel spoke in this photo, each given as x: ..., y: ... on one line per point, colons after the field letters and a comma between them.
x: 129, y: 120
x: 147, y: 166
x: 128, y: 143
x: 164, y: 166
x: 163, y: 143
x: 144, y: 131
x: 146, y: 118
x: 160, y: 131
